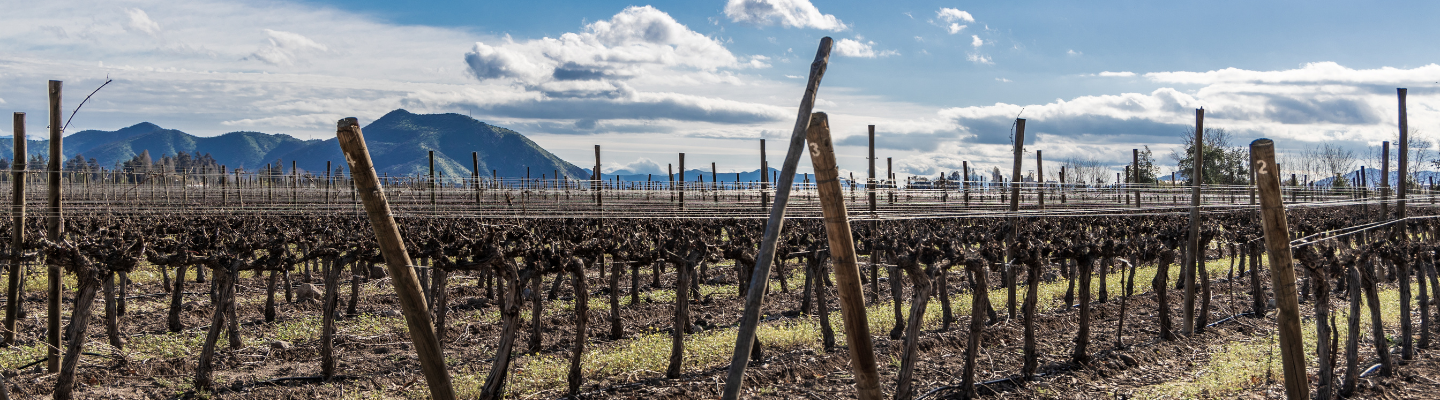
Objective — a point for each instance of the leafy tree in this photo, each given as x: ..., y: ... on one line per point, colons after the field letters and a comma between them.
x: 1225, y: 164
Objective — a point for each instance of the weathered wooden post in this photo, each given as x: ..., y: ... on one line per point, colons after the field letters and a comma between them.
x: 714, y: 184
x: 1135, y: 174
x: 965, y: 180
x: 870, y: 186
x: 1407, y: 339
x: 1040, y: 179
x: 745, y: 337
x: 1015, y: 181
x: 764, y: 178
x: 475, y: 174
x: 17, y: 234
x: 1196, y: 254
x: 54, y: 227
x: 842, y: 251
x: 1385, y: 180
x: 1282, y: 269
x: 397, y: 261
x: 682, y: 181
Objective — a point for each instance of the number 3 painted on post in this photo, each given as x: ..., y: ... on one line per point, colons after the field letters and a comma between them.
x: 1261, y: 167
x: 814, y: 149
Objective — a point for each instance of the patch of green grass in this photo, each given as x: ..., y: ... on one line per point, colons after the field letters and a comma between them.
x: 647, y: 354
x: 1236, y: 366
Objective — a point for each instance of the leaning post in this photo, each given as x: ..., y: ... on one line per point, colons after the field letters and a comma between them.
x: 397, y: 261
x: 1282, y: 269
x: 745, y: 337
x: 842, y: 251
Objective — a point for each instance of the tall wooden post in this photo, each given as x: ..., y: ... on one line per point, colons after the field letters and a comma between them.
x: 745, y: 336
x: 397, y: 261
x: 17, y: 234
x: 595, y: 182
x: 431, y: 182
x: 715, y: 184
x: 965, y: 179
x: 764, y: 178
x: 890, y: 176
x: 842, y: 250
x: 1282, y: 270
x: 1196, y: 254
x: 294, y: 182
x: 682, y: 181
x: 1062, y: 184
x: 328, y: 179
x: 1015, y: 181
x: 54, y: 226
x: 475, y: 173
x: 1402, y: 167
x: 1135, y: 174
x: 870, y: 186
x: 1384, y: 180
x: 1040, y: 179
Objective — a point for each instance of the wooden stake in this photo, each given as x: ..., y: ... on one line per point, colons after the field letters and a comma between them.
x: 842, y: 251
x: 17, y: 213
x: 870, y: 186
x: 53, y: 227
x: 1196, y: 254
x: 745, y: 337
x: 1282, y: 269
x: 397, y: 261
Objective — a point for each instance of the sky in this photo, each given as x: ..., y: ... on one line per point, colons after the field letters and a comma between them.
x: 941, y: 81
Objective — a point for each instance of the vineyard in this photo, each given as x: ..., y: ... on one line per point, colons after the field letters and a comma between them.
x: 290, y: 284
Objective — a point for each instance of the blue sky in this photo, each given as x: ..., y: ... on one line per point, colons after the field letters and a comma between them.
x: 940, y: 80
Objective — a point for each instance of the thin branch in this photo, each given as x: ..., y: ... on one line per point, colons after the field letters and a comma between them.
x: 82, y: 103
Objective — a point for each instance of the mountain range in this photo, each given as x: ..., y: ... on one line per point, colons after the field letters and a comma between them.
x: 399, y: 143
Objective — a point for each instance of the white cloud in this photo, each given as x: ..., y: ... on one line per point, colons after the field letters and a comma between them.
x: 1121, y: 74
x: 975, y: 41
x: 285, y: 48
x: 979, y: 59
x: 954, y: 18
x: 1072, y: 52
x: 954, y: 15
x: 141, y: 22
x: 787, y: 13
x: 1003, y: 80
x: 641, y: 165
x: 855, y: 48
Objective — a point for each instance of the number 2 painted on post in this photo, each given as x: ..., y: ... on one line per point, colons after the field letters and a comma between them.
x: 1261, y: 167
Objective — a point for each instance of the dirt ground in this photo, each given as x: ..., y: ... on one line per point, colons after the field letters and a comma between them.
x: 383, y: 365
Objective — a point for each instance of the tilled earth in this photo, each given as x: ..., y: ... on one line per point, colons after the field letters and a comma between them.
x: 381, y: 362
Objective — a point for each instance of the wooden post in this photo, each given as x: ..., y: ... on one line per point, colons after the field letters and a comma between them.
x: 17, y: 244
x: 595, y: 182
x: 965, y: 180
x: 397, y: 261
x: 475, y: 173
x: 1197, y: 254
x: 1407, y: 334
x: 54, y: 227
x: 1384, y: 180
x: 431, y: 184
x: 870, y: 187
x: 682, y: 181
x: 842, y: 251
x: 1402, y: 167
x: 1040, y: 179
x: 1135, y: 173
x: 1015, y: 181
x: 764, y: 178
x: 745, y: 337
x: 1282, y: 270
